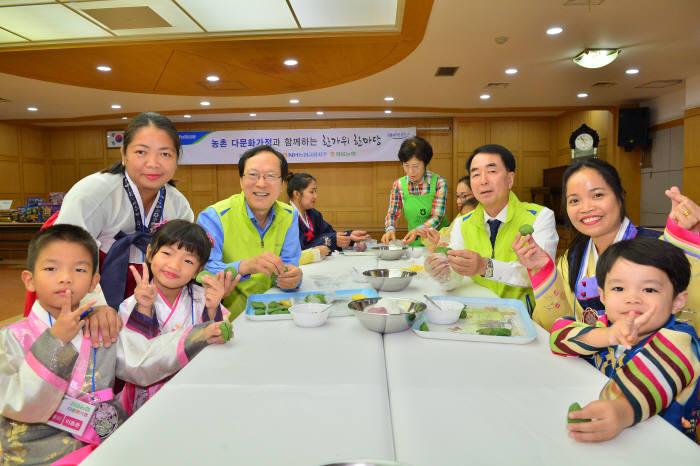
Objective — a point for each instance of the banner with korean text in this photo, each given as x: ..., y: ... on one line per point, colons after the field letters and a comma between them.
x: 298, y: 145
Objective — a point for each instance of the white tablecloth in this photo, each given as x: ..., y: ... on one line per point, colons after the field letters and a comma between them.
x: 278, y: 394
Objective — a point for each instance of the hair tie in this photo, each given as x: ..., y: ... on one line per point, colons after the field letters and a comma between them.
x: 159, y: 224
x: 213, y: 243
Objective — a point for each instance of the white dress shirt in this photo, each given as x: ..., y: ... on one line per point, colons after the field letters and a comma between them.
x: 514, y: 273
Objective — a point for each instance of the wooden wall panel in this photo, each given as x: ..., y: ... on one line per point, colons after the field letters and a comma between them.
x: 8, y: 140
x: 536, y: 135
x: 9, y: 176
x: 63, y: 176
x: 31, y: 142
x: 691, y: 154
x: 91, y: 144
x: 88, y: 168
x: 62, y: 144
x: 34, y: 177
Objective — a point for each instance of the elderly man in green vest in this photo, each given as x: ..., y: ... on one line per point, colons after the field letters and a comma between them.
x: 253, y: 232
x: 481, y: 247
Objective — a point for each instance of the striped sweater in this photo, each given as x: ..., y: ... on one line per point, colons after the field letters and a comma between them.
x: 658, y: 375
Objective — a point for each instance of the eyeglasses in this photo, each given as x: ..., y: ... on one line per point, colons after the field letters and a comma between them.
x: 464, y: 197
x: 412, y: 167
x: 268, y: 177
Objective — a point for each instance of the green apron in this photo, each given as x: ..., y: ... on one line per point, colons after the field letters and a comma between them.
x: 417, y: 208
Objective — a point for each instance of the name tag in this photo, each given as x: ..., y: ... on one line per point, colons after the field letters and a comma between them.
x: 72, y: 416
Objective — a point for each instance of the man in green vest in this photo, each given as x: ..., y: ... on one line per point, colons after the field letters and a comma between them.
x: 253, y: 232
x: 481, y: 248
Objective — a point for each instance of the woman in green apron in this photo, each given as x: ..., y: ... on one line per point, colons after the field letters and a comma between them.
x: 420, y: 194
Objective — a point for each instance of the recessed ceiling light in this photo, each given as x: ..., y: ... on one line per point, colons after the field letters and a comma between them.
x: 485, y: 96
x: 253, y: 114
x: 124, y: 118
x: 104, y: 68
x: 582, y: 95
x: 187, y: 116
x: 632, y: 71
x: 116, y: 106
x: 212, y: 78
x: 319, y: 113
x: 387, y: 111
x: 293, y: 101
x: 291, y: 62
x: 511, y: 71
x: 553, y: 31
x: 33, y: 109
x: 205, y: 103
x: 389, y: 98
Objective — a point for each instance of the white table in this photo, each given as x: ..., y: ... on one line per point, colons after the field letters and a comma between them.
x: 279, y: 394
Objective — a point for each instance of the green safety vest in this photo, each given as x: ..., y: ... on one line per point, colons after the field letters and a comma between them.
x: 242, y: 241
x: 418, y: 207
x: 477, y: 239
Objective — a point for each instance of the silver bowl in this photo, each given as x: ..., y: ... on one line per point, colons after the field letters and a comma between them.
x: 389, y: 279
x: 387, y: 323
x: 389, y: 253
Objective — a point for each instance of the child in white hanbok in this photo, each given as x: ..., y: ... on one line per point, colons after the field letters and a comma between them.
x: 172, y: 300
x: 56, y: 391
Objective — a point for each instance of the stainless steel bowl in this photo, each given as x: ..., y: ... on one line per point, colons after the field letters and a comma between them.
x: 389, y: 279
x: 387, y: 323
x: 389, y: 253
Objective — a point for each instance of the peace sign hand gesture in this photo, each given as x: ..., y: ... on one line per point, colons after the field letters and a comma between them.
x: 68, y: 323
x: 217, y: 287
x: 145, y: 292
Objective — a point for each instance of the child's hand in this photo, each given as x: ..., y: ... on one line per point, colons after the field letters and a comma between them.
x: 625, y: 331
x: 69, y: 323
x: 218, y: 287
x: 608, y: 419
x: 213, y: 333
x: 145, y: 292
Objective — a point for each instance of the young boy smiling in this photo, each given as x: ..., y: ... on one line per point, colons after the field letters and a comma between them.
x: 653, y: 361
x: 55, y: 390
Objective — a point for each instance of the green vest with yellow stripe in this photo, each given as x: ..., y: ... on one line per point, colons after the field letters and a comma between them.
x: 242, y: 241
x: 477, y: 239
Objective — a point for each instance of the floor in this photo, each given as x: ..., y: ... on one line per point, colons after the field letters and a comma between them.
x: 12, y: 290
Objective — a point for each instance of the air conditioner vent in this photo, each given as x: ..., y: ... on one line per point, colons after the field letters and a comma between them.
x: 583, y: 2
x: 129, y: 17
x: 446, y: 71
x: 497, y: 85
x: 600, y: 84
x: 3, y: 100
x: 659, y: 84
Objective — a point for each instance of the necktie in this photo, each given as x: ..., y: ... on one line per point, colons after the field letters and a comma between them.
x: 493, y: 225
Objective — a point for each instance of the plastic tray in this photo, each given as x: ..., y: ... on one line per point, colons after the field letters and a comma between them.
x: 340, y: 308
x: 520, y: 318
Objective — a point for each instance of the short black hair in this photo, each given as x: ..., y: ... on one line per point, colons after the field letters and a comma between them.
x: 298, y: 182
x: 182, y: 234
x: 647, y: 251
x: 284, y: 168
x: 506, y: 156
x: 416, y: 147
x: 62, y: 232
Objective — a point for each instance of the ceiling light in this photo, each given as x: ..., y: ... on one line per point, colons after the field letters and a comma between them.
x: 124, y: 118
x: 582, y: 95
x: 553, y: 31
x: 33, y: 109
x: 387, y: 111
x: 485, y: 96
x: 632, y: 71
x: 291, y: 62
x: 511, y: 71
x: 293, y: 101
x: 212, y: 78
x: 187, y: 116
x: 389, y: 98
x: 253, y: 114
x: 116, y: 106
x: 205, y: 103
x: 596, y: 58
x: 104, y: 68
x: 319, y: 113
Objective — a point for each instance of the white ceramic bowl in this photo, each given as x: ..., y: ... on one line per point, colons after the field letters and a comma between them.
x: 309, y: 314
x: 447, y: 314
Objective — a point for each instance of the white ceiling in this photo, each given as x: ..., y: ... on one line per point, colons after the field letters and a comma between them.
x: 661, y: 38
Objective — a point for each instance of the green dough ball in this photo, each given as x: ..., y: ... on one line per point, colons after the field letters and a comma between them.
x: 231, y: 269
x: 259, y: 312
x: 226, y: 331
x: 575, y: 407
x: 203, y: 274
x: 495, y: 331
x: 441, y: 250
x: 463, y: 314
x: 526, y: 229
x: 315, y: 298
x: 424, y: 327
x: 274, y: 276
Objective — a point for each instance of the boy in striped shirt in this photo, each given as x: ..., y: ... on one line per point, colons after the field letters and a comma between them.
x: 656, y: 367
